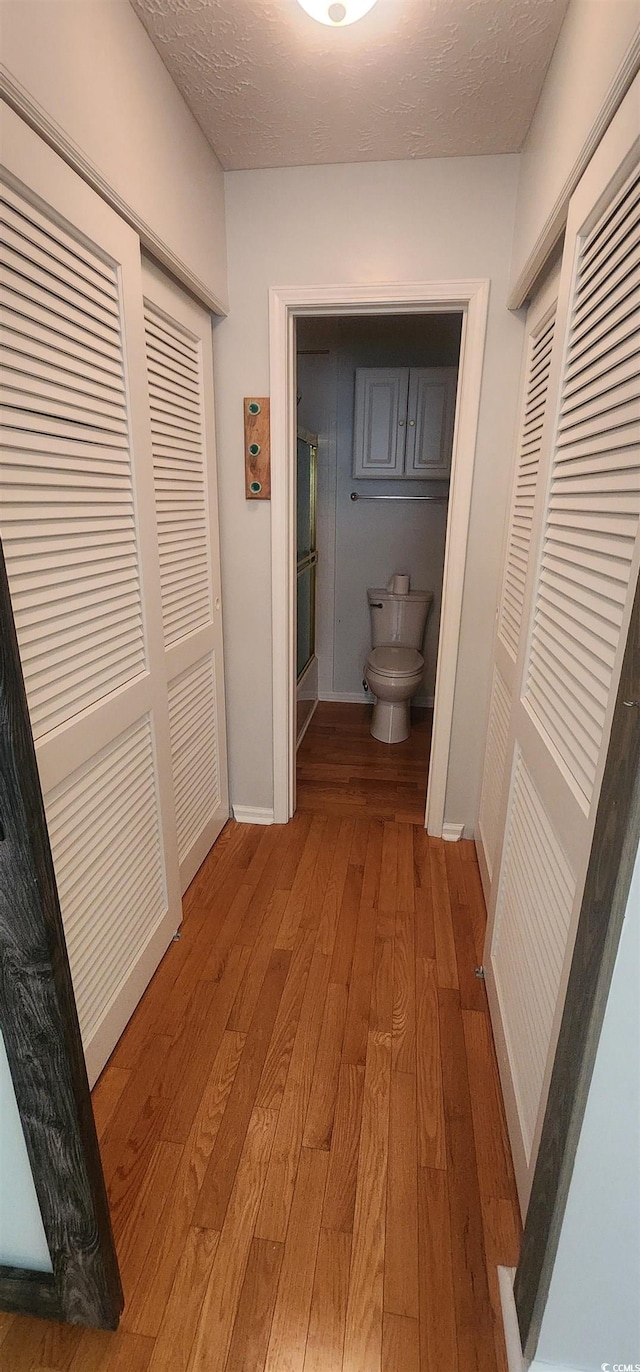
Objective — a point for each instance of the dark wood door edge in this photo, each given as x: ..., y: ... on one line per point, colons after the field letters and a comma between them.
x: 40, y: 1026
x: 615, y: 843
x: 29, y: 1293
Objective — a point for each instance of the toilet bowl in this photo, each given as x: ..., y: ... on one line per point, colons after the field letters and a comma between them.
x: 393, y: 675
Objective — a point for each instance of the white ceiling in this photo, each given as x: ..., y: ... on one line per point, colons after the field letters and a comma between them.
x: 270, y: 87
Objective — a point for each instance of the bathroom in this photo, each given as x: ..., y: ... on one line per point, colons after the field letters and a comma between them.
x: 348, y: 545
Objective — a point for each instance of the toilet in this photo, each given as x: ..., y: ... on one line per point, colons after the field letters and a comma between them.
x: 395, y: 665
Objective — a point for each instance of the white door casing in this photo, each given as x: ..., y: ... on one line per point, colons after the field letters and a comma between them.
x: 577, y: 602
x: 180, y: 379
x: 81, y: 549
x: 471, y: 298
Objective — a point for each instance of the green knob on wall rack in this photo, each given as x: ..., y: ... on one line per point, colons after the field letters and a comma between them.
x: 253, y: 407
x: 255, y: 487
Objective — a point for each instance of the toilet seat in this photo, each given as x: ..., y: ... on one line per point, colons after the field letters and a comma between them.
x: 391, y: 660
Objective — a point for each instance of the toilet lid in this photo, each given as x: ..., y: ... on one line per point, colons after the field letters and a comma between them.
x: 392, y: 660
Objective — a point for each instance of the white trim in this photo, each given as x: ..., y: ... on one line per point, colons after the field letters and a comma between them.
x: 285, y: 303
x: 452, y: 833
x: 248, y: 814
x: 306, y: 724
x: 347, y: 697
x: 366, y: 698
x: 20, y: 99
x: 515, y: 1359
x: 555, y: 222
x: 311, y: 665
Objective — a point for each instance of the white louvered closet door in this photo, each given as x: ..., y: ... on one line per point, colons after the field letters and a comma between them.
x: 576, y: 605
x: 540, y: 332
x: 180, y: 381
x: 76, y: 518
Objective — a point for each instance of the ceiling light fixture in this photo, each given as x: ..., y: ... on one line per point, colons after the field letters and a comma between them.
x: 337, y: 13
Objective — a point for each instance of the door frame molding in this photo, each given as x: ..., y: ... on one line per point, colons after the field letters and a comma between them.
x: 39, y: 1025
x: 471, y: 299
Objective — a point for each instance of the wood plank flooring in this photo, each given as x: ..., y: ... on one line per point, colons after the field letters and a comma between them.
x: 302, y: 1128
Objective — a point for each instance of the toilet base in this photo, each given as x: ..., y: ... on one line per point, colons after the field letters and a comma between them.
x: 391, y: 721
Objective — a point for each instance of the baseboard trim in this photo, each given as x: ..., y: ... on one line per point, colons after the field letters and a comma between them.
x: 248, y: 814
x: 515, y: 1359
x: 452, y: 833
x: 347, y: 697
x: 366, y: 698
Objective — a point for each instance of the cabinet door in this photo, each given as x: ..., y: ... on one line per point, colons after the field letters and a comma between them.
x: 431, y: 411
x: 380, y: 421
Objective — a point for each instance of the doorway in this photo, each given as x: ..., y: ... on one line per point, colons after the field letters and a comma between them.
x: 469, y: 300
x: 375, y: 403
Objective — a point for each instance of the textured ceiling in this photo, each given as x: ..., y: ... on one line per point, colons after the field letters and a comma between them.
x: 270, y: 87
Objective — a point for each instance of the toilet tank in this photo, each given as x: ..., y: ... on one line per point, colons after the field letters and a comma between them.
x: 398, y: 618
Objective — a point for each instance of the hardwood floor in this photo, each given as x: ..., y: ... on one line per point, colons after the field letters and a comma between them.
x: 301, y: 1128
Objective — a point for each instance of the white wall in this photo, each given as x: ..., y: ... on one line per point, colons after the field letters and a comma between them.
x: 594, y: 39
x: 593, y: 1311
x: 22, y: 1237
x: 370, y: 541
x: 397, y: 221
x: 90, y: 65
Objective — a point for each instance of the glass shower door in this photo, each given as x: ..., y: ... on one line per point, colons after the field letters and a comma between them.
x: 307, y: 552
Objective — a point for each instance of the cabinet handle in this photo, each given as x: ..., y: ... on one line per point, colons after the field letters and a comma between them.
x: 412, y: 423
x: 400, y: 423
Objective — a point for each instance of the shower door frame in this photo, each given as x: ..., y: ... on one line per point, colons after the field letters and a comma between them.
x: 286, y: 304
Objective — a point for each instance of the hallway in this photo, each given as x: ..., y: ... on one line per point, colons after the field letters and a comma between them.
x: 301, y: 1128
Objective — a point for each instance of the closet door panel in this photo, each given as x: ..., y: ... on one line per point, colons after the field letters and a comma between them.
x: 77, y: 486
x: 180, y: 383
x: 576, y: 607
x: 539, y: 350
x: 499, y: 748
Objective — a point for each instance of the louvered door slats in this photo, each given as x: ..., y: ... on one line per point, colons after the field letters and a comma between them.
x: 31, y: 255
x: 68, y: 295
x: 173, y: 369
x: 51, y: 380
x: 164, y: 339
x: 66, y: 478
x: 103, y: 827
x: 613, y: 228
x: 612, y: 327
x: 527, y: 462
x: 176, y: 423
x: 621, y: 270
x: 38, y: 226
x: 595, y: 472
x: 533, y: 910
x: 193, y: 728
x: 63, y: 316
x: 72, y: 360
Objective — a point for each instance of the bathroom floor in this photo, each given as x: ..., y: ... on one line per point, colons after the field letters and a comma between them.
x: 301, y: 1128
x: 342, y: 770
